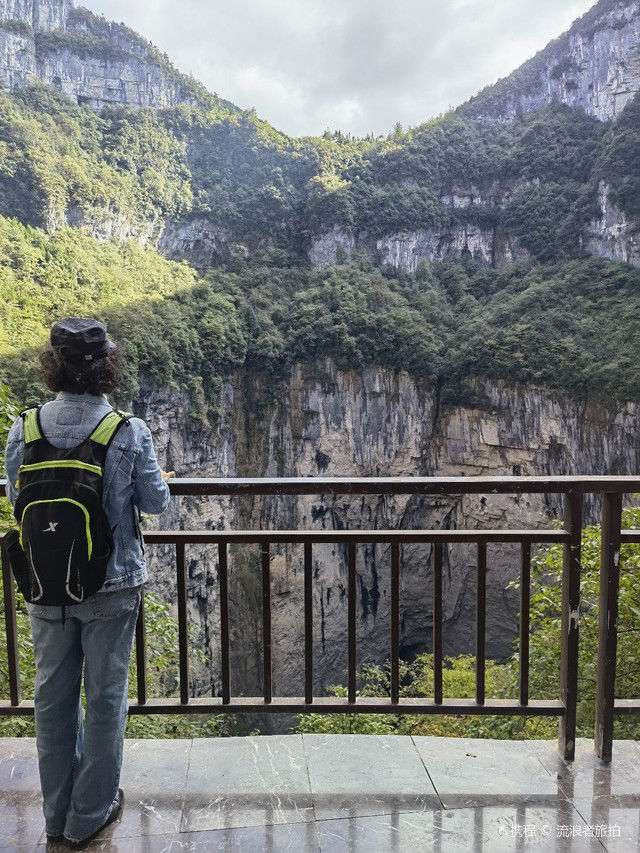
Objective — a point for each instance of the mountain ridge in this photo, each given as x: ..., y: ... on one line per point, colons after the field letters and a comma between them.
x: 595, y: 64
x: 499, y: 180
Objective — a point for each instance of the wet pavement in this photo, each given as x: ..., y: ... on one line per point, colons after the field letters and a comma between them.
x: 334, y: 793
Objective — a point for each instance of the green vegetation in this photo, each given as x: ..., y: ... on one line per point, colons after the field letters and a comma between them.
x: 567, y: 322
x: 20, y: 28
x: 8, y: 412
x: 561, y: 320
x: 63, y: 163
x: 81, y: 44
x: 247, y: 178
x: 173, y: 329
x: 571, y: 326
x: 56, y: 157
x: 416, y: 678
x: 542, y: 162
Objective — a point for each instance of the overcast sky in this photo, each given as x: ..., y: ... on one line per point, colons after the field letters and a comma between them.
x: 355, y: 65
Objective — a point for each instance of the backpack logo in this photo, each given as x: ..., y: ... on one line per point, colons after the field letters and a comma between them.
x: 51, y: 528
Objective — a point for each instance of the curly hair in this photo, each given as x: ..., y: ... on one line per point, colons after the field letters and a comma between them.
x: 77, y: 376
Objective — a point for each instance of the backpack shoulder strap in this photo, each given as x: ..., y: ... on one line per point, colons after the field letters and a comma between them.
x: 31, y: 419
x: 109, y: 426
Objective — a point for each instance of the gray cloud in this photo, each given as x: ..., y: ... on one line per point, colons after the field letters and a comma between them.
x: 356, y: 65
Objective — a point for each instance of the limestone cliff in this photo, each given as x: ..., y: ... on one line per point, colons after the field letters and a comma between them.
x: 612, y: 235
x: 404, y: 250
x: 86, y: 57
x: 373, y: 422
x: 594, y: 65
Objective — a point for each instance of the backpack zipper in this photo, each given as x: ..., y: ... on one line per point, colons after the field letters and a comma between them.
x: 62, y: 463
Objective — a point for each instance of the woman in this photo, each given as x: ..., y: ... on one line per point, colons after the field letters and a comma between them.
x: 80, y: 762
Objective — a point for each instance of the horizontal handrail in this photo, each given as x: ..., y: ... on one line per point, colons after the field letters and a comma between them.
x: 328, y: 705
x: 331, y: 536
x: 398, y: 485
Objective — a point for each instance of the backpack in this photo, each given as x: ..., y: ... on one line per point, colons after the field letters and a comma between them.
x: 60, y: 553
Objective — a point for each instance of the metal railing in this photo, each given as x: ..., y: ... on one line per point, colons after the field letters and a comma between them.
x: 571, y: 488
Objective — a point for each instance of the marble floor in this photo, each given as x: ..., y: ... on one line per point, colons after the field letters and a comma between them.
x: 334, y: 793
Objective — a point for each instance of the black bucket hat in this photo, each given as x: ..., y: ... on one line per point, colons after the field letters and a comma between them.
x: 81, y: 338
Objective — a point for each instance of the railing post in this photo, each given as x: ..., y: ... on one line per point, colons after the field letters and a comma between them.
x: 11, y: 627
x: 525, y: 597
x: 267, y: 687
x: 608, y: 622
x: 569, y: 624
x: 437, y: 623
x: 183, y: 629
x: 481, y: 614
x: 308, y: 623
x: 223, y: 569
x: 351, y: 622
x: 141, y: 654
x: 395, y: 622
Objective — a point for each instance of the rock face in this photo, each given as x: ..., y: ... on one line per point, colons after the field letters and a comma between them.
x: 595, y: 65
x: 324, y: 247
x: 404, y: 250
x: 85, y: 57
x: 487, y: 247
x: 613, y: 236
x: 372, y: 422
x: 200, y: 242
x: 102, y: 80
x: 17, y: 59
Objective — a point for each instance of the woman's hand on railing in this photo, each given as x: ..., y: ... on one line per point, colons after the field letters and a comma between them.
x: 167, y: 475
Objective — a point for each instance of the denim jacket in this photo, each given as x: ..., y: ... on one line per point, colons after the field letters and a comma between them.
x: 132, y: 477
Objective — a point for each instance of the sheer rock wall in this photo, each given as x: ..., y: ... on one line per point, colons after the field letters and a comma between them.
x: 363, y: 423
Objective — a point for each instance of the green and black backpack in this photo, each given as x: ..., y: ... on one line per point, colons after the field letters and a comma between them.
x: 60, y: 553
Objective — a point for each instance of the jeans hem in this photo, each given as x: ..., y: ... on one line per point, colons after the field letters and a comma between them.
x: 91, y: 832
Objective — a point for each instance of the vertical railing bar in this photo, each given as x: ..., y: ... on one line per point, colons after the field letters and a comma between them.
x: 569, y: 625
x: 395, y: 621
x: 308, y: 623
x: 141, y: 654
x: 525, y: 595
x: 351, y: 629
x: 183, y: 630
x: 223, y: 573
x: 481, y: 608
x: 266, y: 623
x: 437, y: 623
x: 608, y: 623
x: 11, y: 628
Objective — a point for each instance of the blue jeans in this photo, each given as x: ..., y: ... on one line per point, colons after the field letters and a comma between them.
x: 80, y: 764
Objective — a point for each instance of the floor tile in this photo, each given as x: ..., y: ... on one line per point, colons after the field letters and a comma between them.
x: 370, y: 794
x: 479, y: 772
x: 354, y: 775
x: 19, y: 764
x: 154, y: 776
x: 274, y: 838
x: 21, y: 819
x: 586, y: 777
x: 246, y: 781
x: 617, y: 826
x: 606, y: 795
x: 489, y: 829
